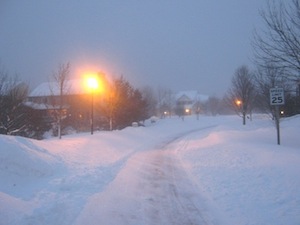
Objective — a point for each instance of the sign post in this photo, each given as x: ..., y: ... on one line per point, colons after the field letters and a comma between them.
x: 277, y: 99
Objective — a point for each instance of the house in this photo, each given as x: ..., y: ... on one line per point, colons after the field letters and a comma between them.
x: 45, y: 92
x: 181, y: 103
x: 74, y: 104
x: 189, y: 102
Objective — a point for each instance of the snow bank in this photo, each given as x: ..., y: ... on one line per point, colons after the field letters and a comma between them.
x: 240, y: 170
x: 245, y: 174
x: 21, y: 160
x: 24, y: 169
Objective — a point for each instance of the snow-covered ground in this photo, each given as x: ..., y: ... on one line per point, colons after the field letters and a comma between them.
x: 208, y: 171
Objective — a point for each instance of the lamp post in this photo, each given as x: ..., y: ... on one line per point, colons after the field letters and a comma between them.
x: 92, y: 83
x: 241, y: 107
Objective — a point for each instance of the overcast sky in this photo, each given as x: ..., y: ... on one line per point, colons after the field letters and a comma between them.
x: 176, y: 44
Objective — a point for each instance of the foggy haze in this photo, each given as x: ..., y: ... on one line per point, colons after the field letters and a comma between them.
x: 181, y: 45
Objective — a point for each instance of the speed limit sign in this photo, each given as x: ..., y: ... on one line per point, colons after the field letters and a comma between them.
x: 276, y: 96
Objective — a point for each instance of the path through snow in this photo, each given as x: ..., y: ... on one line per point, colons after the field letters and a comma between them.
x: 155, y: 190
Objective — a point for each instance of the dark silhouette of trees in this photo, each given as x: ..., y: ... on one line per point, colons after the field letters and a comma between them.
x: 277, y: 54
x: 278, y: 43
x: 268, y: 77
x: 123, y: 104
x: 13, y: 113
x: 213, y: 106
x: 149, y: 96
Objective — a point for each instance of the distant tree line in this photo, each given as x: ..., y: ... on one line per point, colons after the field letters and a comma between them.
x: 277, y: 64
x: 277, y: 52
x: 121, y: 105
x: 277, y: 60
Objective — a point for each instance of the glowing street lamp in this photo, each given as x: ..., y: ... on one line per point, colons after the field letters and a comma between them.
x: 93, y: 84
x: 238, y: 102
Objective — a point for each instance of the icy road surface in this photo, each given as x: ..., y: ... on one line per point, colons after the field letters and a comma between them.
x: 154, y: 190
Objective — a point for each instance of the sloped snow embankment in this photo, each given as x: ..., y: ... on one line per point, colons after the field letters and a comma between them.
x: 24, y: 169
x: 247, y: 177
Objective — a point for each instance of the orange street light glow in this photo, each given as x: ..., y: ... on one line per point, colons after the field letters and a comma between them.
x: 238, y: 102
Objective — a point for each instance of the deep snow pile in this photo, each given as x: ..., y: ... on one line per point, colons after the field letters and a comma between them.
x: 240, y: 170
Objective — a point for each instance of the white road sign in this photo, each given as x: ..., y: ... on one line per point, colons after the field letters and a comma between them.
x: 276, y: 96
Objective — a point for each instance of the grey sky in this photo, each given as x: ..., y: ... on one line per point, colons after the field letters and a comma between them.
x: 178, y: 44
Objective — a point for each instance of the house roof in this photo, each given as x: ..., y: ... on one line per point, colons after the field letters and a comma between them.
x: 192, y: 95
x: 52, y: 88
x: 39, y: 106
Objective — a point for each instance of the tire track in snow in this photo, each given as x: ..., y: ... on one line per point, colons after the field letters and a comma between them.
x: 173, y: 195
x: 151, y: 188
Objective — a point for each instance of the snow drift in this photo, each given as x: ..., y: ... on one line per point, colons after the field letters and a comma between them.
x: 238, y: 173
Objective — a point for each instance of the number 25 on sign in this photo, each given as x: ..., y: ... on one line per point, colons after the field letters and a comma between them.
x: 276, y: 96
x: 276, y: 99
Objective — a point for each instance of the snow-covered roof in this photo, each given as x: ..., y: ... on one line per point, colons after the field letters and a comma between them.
x: 52, y: 88
x: 192, y: 95
x: 41, y: 106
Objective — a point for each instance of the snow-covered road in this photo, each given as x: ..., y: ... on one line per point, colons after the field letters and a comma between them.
x: 207, y: 171
x: 155, y: 190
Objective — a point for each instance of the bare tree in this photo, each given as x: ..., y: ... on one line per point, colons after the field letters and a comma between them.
x: 242, y: 92
x: 13, y: 117
x: 279, y: 43
x: 150, y: 98
x: 213, y: 105
x: 60, y: 77
x: 166, y: 102
x: 268, y: 77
